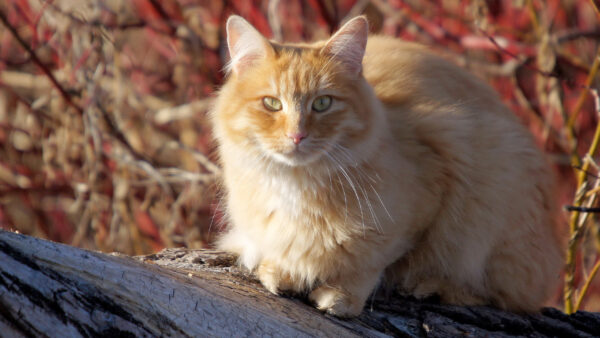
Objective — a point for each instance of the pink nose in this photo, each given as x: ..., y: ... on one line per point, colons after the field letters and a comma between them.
x: 297, y: 136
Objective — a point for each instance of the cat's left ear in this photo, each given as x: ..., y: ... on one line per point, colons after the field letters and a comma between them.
x: 348, y: 44
x: 246, y: 44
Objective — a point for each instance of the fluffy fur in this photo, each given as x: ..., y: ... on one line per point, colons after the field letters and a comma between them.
x: 417, y: 174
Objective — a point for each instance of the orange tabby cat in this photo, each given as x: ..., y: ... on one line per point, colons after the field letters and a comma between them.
x: 346, y: 162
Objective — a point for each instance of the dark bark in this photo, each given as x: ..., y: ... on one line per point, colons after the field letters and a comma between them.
x: 50, y: 289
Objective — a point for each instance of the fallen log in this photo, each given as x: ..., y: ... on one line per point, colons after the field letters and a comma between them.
x: 51, y: 289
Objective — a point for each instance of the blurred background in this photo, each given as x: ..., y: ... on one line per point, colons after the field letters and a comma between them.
x: 104, y: 141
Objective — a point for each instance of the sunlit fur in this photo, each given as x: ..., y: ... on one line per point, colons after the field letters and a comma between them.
x: 417, y: 174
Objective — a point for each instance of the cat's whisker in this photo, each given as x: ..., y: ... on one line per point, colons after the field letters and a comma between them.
x: 373, y: 214
x: 362, y: 176
x: 359, y: 182
x: 330, y: 181
x: 367, y: 200
x: 348, y: 157
x: 360, y: 172
x: 212, y: 219
x: 219, y: 226
x: 345, y: 198
x: 351, y: 186
x: 382, y: 204
x: 349, y: 153
x: 344, y: 151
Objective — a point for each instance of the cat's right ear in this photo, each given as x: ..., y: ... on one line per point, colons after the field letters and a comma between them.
x: 348, y: 44
x: 246, y: 44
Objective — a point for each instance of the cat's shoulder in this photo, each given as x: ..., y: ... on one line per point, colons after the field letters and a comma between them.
x: 386, y: 53
x: 381, y: 49
x: 378, y: 42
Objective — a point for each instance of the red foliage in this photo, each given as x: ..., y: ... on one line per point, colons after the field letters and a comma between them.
x: 147, y: 225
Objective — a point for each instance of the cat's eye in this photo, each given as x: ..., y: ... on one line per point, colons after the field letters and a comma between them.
x: 322, y: 103
x: 271, y: 103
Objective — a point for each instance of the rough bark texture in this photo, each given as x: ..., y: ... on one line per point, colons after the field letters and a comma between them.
x: 50, y: 289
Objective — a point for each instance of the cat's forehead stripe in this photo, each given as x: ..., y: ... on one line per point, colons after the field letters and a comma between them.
x: 297, y: 75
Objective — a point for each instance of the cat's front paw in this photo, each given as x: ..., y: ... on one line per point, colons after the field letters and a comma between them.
x: 273, y: 279
x: 336, y: 302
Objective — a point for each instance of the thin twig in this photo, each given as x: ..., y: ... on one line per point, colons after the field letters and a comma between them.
x: 570, y: 126
x: 514, y: 56
x: 589, y: 173
x: 581, y: 209
x: 577, y: 34
x: 36, y: 112
x: 534, y: 18
x: 585, y: 287
x: 593, y: 3
x: 163, y: 14
x: 574, y: 228
x: 40, y: 64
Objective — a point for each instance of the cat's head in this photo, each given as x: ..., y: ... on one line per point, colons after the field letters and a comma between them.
x: 295, y: 104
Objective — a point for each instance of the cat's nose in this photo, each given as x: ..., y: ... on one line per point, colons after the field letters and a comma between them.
x: 297, y: 136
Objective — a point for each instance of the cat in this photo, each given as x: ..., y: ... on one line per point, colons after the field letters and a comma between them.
x: 360, y: 160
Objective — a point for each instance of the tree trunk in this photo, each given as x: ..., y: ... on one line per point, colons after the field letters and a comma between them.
x: 50, y: 289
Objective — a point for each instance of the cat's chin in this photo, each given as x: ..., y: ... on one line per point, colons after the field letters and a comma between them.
x: 295, y: 159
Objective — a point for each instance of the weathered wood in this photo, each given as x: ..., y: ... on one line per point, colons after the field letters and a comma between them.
x: 50, y: 289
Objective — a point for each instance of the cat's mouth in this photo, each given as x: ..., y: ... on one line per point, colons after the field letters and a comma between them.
x: 294, y: 156
x: 298, y: 155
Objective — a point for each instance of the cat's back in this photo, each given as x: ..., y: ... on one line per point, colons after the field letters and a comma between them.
x: 442, y: 106
x: 406, y: 73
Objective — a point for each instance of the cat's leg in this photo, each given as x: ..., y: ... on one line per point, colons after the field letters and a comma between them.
x: 346, y: 295
x: 461, y: 294
x: 519, y: 274
x: 457, y: 278
x: 421, y: 282
x: 273, y: 278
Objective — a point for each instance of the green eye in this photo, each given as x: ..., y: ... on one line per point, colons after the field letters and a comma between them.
x: 321, y: 103
x: 271, y: 103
